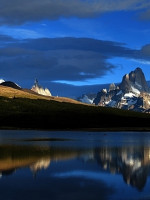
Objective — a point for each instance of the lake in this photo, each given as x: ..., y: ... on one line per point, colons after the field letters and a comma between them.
x: 74, y: 165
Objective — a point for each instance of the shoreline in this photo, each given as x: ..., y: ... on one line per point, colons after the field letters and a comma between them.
x: 111, y: 129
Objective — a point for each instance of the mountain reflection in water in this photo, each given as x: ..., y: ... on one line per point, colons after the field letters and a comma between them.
x: 132, y: 163
x: 36, y: 158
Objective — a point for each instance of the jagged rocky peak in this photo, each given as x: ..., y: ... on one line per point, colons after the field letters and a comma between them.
x: 112, y: 87
x: 134, y: 80
x: 125, y: 84
x: 87, y: 98
x: 104, y: 91
x: 40, y: 90
x: 132, y: 94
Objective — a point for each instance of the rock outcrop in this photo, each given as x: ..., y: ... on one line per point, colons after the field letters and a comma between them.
x: 40, y: 90
x: 87, y: 98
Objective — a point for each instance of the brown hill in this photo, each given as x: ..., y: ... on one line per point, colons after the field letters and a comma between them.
x: 26, y: 93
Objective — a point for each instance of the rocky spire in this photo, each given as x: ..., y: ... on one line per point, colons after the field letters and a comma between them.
x: 112, y: 87
x: 134, y: 79
x: 40, y: 90
x: 36, y: 82
x: 132, y: 94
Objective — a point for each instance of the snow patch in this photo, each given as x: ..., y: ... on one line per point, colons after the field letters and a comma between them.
x: 85, y: 99
x: 104, y: 90
x: 107, y: 102
x: 130, y: 95
x: 123, y: 103
x: 136, y: 91
x: 120, y: 92
x: 17, y: 85
x: 1, y: 81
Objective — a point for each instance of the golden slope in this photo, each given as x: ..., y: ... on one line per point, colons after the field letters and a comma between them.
x: 14, y: 93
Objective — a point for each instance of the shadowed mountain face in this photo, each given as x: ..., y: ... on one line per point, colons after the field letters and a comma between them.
x: 131, y: 94
x: 134, y: 79
x: 11, y: 84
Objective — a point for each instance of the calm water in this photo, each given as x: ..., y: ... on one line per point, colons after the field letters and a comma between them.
x: 74, y: 165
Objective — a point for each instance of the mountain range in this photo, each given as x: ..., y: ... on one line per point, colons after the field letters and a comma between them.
x: 24, y: 108
x: 133, y: 93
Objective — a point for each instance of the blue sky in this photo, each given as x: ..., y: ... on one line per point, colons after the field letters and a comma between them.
x: 74, y: 42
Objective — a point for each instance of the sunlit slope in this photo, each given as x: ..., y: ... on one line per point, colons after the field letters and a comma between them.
x: 25, y: 93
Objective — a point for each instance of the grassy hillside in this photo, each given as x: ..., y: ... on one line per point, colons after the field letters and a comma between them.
x: 51, y: 114
x: 26, y: 93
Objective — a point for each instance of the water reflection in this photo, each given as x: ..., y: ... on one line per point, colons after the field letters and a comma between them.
x: 132, y: 163
x: 35, y: 158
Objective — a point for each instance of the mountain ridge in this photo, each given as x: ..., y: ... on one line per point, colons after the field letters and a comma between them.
x: 134, y: 79
x: 133, y: 93
x: 21, y: 109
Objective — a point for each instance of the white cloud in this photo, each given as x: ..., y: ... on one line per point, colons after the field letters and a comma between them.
x: 20, y: 33
x: 144, y: 62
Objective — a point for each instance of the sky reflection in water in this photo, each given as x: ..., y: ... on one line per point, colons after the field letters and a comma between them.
x: 69, y: 165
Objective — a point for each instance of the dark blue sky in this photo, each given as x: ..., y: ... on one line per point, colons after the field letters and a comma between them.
x: 73, y: 42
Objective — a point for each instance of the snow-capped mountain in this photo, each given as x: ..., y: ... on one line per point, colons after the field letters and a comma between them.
x: 40, y: 90
x: 1, y: 81
x: 133, y: 93
x: 87, y: 98
x: 134, y: 81
x: 11, y: 84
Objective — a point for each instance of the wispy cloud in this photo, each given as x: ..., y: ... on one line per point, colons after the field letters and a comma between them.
x: 139, y: 61
x: 19, y: 33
